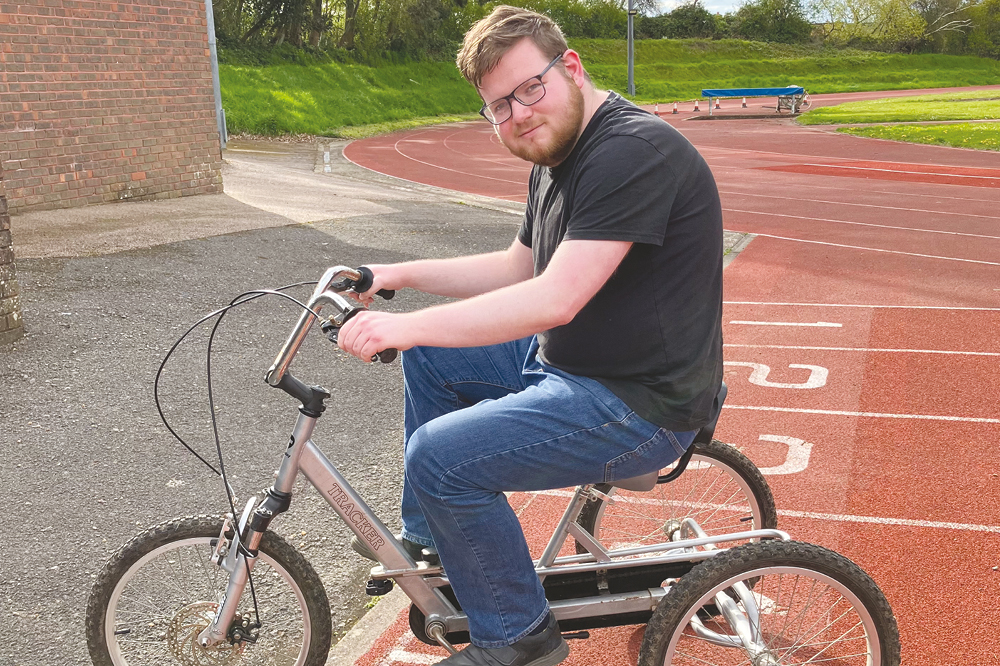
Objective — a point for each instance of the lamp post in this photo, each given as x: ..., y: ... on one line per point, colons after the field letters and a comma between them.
x: 631, y: 52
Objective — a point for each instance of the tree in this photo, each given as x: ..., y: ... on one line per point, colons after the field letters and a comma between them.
x: 984, y: 38
x: 887, y: 24
x: 691, y: 20
x: 772, y: 21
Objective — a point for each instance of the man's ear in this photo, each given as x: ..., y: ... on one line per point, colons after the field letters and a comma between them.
x: 573, y: 66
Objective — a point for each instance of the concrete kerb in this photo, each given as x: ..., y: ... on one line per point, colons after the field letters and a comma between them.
x: 362, y: 636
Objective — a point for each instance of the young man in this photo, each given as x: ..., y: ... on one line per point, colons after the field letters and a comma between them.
x: 588, y: 351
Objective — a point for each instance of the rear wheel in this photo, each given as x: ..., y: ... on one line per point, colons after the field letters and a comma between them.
x: 806, y: 605
x: 720, y: 489
x: 160, y: 590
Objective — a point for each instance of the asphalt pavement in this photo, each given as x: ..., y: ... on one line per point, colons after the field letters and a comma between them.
x: 106, y: 292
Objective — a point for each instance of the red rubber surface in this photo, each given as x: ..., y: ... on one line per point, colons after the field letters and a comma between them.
x: 902, y: 253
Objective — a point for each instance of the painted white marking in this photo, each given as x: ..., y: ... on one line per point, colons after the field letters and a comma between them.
x: 863, y: 186
x: 765, y: 605
x: 876, y: 415
x: 399, y: 656
x: 863, y: 205
x: 922, y: 173
x: 874, y: 249
x: 817, y: 375
x: 820, y: 324
x: 867, y: 349
x: 890, y: 521
x: 444, y: 168
x: 864, y: 305
x: 835, y: 517
x: 859, y: 224
x: 797, y: 458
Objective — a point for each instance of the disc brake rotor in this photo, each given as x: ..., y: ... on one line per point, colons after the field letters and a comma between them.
x: 182, y: 637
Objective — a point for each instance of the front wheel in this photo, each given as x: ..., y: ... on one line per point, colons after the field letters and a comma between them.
x: 160, y: 590
x: 772, y: 603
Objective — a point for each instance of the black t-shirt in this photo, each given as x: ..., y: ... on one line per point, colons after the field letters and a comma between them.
x: 653, y: 333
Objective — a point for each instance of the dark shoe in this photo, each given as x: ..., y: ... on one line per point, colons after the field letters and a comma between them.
x: 414, y: 549
x: 545, y: 649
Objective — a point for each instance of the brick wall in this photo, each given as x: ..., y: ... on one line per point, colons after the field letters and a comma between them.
x: 105, y: 101
x: 10, y: 303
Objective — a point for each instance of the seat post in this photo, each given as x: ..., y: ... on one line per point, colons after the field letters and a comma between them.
x: 570, y: 515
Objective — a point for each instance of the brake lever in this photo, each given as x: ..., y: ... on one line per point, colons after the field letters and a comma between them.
x: 332, y: 330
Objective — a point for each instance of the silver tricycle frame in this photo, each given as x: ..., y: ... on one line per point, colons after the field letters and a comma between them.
x: 424, y: 583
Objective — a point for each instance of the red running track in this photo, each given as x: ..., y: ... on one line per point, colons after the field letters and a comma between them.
x: 877, y: 265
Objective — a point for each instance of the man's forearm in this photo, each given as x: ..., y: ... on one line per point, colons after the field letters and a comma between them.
x: 500, y: 315
x: 460, y: 277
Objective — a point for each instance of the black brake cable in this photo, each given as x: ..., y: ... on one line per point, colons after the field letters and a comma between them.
x: 218, y: 313
x: 230, y: 492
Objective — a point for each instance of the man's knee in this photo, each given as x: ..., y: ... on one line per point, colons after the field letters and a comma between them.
x: 430, y: 456
x: 420, y: 460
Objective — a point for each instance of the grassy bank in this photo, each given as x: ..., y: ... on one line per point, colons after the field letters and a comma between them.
x: 980, y: 136
x: 315, y: 97
x: 980, y: 105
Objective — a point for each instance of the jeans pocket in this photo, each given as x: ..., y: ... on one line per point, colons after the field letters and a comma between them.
x: 652, y: 455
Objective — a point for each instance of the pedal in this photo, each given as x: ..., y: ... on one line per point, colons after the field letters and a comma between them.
x: 378, y: 588
x: 576, y: 635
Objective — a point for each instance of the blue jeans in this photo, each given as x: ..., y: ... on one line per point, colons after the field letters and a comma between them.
x: 480, y: 421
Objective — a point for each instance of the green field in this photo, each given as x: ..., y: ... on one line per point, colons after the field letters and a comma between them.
x: 978, y: 105
x: 326, y: 97
x: 981, y: 136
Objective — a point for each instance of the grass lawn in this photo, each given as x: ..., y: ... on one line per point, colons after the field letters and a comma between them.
x: 975, y: 105
x: 981, y: 136
x: 968, y: 105
x: 325, y: 98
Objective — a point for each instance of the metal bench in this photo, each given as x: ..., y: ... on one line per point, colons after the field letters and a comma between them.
x: 793, y: 98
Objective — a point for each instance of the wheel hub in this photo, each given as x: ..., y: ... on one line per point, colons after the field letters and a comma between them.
x: 671, y: 527
x: 182, y: 637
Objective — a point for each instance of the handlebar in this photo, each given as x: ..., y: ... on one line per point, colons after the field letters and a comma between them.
x: 335, y: 281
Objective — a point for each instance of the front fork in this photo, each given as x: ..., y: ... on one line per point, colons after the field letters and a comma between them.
x: 239, y: 561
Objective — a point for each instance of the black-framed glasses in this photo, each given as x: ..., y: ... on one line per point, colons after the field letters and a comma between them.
x: 528, y: 93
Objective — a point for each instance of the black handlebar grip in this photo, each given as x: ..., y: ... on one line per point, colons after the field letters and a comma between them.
x: 365, y: 283
x: 386, y: 355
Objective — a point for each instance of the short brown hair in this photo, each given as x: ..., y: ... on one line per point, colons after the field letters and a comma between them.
x: 490, y: 38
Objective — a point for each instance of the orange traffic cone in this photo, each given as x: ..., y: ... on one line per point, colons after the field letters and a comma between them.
x: 744, y: 102
x: 675, y: 107
x: 656, y: 110
x: 717, y: 104
x: 696, y: 105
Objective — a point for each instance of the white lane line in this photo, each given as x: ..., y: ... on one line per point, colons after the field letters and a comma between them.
x: 835, y: 517
x: 850, y: 203
x: 866, y: 349
x: 863, y: 305
x: 873, y: 249
x: 876, y: 415
x: 859, y: 224
x: 922, y: 173
x: 444, y: 168
x: 968, y: 527
x: 864, y: 186
x: 821, y: 324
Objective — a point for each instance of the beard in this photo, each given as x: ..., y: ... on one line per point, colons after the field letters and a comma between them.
x: 565, y: 130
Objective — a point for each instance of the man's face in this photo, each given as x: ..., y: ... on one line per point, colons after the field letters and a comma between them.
x: 545, y: 132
